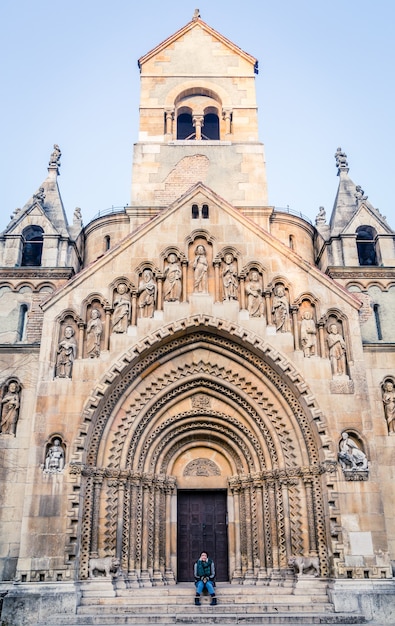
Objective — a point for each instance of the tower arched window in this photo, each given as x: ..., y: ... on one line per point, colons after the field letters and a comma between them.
x: 366, y: 245
x: 211, y: 127
x: 376, y: 311
x: 185, y: 128
x: 22, y: 321
x: 195, y: 211
x: 32, y: 246
x: 205, y: 213
x: 107, y: 243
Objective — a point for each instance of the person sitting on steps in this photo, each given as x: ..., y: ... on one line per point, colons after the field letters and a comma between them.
x: 204, y: 573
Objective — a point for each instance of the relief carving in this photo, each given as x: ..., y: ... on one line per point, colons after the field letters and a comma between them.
x: 147, y: 294
x: 66, y: 353
x: 308, y: 334
x: 54, y: 459
x: 229, y: 277
x: 202, y: 467
x: 94, y: 332
x: 172, y: 283
x: 337, y: 351
x: 200, y: 270
x: 10, y: 404
x: 122, y: 309
x: 350, y: 456
x: 280, y: 310
x: 253, y: 290
x: 388, y: 395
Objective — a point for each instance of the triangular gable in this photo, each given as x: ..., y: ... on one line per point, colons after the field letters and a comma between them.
x: 33, y: 215
x: 197, y: 23
x: 366, y: 215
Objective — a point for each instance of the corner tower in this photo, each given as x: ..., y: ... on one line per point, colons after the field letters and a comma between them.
x: 198, y: 122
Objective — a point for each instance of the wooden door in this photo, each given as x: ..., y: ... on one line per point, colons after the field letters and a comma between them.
x: 201, y: 525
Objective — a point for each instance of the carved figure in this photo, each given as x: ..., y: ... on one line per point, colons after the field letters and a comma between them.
x: 200, y: 267
x: 54, y: 461
x: 280, y: 310
x: 54, y: 159
x: 77, y: 215
x: 66, y: 353
x: 10, y: 404
x: 172, y: 282
x: 39, y: 196
x: 350, y: 455
x: 308, y: 334
x: 122, y: 308
x: 389, y: 405
x: 253, y: 290
x: 302, y: 563
x: 341, y: 159
x: 105, y: 564
x: 229, y: 277
x: 337, y: 351
x: 359, y: 194
x: 321, y: 216
x: 147, y: 294
x: 94, y: 332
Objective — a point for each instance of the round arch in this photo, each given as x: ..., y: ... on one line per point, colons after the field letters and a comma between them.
x: 201, y: 384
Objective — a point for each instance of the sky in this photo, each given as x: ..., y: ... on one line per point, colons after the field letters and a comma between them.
x: 69, y: 76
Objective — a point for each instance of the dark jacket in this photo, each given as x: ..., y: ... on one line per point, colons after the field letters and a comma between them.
x: 204, y: 569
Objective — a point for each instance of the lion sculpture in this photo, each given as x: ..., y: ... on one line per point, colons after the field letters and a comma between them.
x: 302, y: 563
x: 106, y: 564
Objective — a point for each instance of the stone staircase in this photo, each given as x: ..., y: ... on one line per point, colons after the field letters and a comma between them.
x: 106, y: 603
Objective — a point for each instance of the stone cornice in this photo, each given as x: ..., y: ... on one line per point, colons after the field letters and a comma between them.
x: 361, y: 272
x: 50, y: 273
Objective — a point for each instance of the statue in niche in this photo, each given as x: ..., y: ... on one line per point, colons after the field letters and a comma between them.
x: 200, y: 270
x: 253, y: 290
x: 337, y: 351
x: 308, y: 334
x: 280, y: 309
x: 172, y: 282
x: 229, y: 277
x: 54, y: 460
x: 65, y: 354
x: 388, y: 394
x: 94, y: 332
x: 147, y: 294
x: 10, y: 404
x: 351, y: 457
x: 122, y: 308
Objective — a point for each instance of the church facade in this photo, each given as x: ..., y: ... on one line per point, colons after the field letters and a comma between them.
x: 198, y: 370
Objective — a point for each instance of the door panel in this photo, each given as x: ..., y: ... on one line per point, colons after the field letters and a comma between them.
x: 201, y: 525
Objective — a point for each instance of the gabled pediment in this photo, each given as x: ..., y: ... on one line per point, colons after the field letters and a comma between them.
x: 367, y: 215
x: 35, y: 215
x: 194, y: 29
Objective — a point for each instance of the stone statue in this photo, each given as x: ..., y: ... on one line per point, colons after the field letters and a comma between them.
x: 341, y: 159
x: 54, y: 159
x: 200, y: 268
x: 321, y: 216
x: 39, y: 197
x: 10, y: 409
x: 253, y: 290
x: 147, y: 294
x: 77, y: 215
x: 94, y: 332
x: 172, y: 282
x: 122, y: 308
x: 308, y: 334
x: 359, y: 194
x: 66, y: 353
x: 388, y: 394
x: 229, y: 277
x: 54, y: 461
x: 280, y: 309
x: 351, y: 457
x: 337, y: 351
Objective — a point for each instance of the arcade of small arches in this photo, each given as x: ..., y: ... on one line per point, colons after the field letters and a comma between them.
x: 200, y: 396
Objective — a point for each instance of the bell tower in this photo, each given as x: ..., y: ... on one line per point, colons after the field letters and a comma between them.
x: 198, y: 122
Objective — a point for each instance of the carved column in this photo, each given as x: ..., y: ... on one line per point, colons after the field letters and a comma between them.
x: 134, y: 308
x: 273, y: 522
x: 242, y: 293
x: 197, y: 121
x: 160, y: 294
x: 158, y: 494
x: 310, y: 516
x: 169, y: 116
x: 81, y: 329
x: 227, y: 116
x: 184, y: 265
x: 294, y: 312
x: 267, y: 293
x: 123, y: 536
x: 267, y: 527
x: 216, y: 281
x: 97, y: 484
x: 135, y: 525
x: 249, y: 575
x: 146, y: 536
x: 107, y: 323
x: 321, y: 336
x: 235, y: 489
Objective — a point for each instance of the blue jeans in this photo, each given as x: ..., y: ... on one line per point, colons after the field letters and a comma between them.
x: 200, y: 585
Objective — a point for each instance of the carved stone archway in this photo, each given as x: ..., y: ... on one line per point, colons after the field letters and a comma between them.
x: 257, y: 414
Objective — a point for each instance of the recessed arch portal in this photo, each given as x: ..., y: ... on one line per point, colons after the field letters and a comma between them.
x: 201, y: 391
